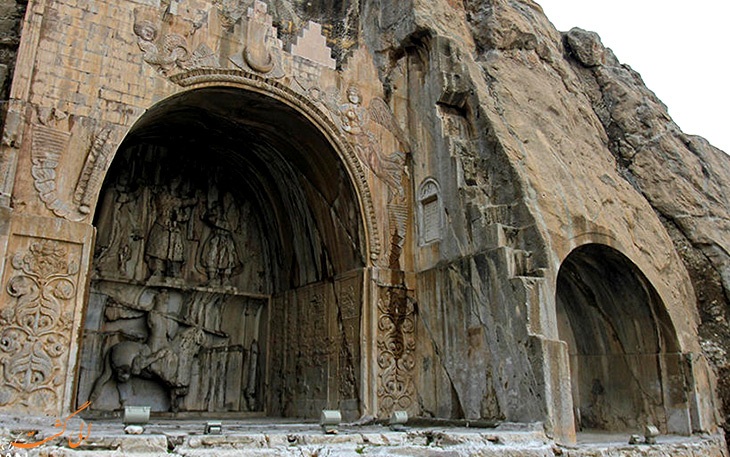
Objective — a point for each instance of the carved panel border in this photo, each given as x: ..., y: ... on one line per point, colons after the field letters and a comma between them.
x: 36, y: 323
x: 396, y: 347
x: 207, y: 77
x: 41, y: 301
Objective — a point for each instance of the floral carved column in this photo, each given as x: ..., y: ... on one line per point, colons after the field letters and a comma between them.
x: 396, y: 345
x: 40, y: 314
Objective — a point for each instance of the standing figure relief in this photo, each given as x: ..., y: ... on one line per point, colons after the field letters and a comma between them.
x: 165, y: 251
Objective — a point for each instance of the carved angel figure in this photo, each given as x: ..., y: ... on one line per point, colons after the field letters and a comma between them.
x: 353, y: 120
x: 170, y: 51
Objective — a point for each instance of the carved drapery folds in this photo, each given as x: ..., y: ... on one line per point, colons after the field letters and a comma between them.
x: 179, y: 289
x: 36, y: 325
x: 160, y: 345
x: 177, y: 228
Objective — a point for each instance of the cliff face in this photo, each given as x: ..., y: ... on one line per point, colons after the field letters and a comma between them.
x: 502, y: 222
x: 559, y: 137
x: 684, y: 178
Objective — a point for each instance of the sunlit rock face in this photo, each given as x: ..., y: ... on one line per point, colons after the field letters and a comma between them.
x: 270, y: 208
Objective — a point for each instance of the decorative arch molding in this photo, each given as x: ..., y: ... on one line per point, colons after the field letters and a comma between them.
x: 172, y: 283
x: 211, y: 77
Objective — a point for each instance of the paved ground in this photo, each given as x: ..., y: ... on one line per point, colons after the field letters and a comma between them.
x: 294, y: 438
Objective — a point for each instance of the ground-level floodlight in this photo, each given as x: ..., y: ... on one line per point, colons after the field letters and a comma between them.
x: 329, y: 420
x: 213, y: 428
x: 136, y: 415
x: 398, y: 421
x: 650, y: 433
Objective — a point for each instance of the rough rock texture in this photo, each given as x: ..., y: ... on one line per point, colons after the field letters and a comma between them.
x: 11, y: 15
x: 436, y: 208
x: 684, y: 178
x: 305, y: 440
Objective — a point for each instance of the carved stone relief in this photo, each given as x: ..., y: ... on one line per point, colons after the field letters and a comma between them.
x: 36, y: 323
x: 179, y: 290
x: 354, y: 119
x: 170, y: 51
x: 262, y: 48
x: 49, y: 144
x: 396, y: 350
x: 160, y: 346
x: 176, y: 228
x: 316, y: 349
x: 245, y: 57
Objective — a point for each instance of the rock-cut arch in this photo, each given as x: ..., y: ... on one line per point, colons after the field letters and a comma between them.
x: 229, y: 261
x: 625, y: 362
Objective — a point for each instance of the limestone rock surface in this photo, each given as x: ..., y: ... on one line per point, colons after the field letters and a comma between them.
x: 684, y: 178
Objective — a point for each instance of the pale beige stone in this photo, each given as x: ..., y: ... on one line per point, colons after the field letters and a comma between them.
x: 413, y: 209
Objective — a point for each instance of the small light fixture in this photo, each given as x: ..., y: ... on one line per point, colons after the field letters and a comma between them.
x: 329, y: 420
x: 213, y: 428
x: 136, y: 415
x: 398, y: 421
x: 650, y: 433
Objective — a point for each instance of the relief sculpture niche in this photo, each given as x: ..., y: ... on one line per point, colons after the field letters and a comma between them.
x: 228, y: 266
x: 179, y: 291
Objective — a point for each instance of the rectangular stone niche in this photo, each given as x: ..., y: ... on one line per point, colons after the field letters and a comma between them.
x: 187, y: 350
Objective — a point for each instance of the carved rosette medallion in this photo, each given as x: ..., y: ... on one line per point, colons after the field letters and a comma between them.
x: 396, y: 351
x: 36, y: 330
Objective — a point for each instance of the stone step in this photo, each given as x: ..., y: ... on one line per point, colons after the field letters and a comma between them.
x: 426, y: 442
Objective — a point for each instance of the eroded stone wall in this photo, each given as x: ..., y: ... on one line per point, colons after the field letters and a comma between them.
x: 451, y: 151
x: 11, y: 18
x: 683, y: 177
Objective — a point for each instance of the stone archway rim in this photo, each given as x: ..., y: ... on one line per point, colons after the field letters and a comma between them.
x: 222, y: 77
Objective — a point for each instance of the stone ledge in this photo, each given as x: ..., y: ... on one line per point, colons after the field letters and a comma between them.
x: 248, y: 438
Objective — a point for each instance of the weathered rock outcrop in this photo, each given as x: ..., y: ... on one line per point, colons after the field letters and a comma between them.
x: 11, y: 15
x: 591, y: 146
x: 684, y: 178
x: 439, y: 206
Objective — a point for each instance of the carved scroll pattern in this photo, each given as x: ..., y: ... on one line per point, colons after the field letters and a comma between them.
x: 36, y: 329
x: 396, y: 351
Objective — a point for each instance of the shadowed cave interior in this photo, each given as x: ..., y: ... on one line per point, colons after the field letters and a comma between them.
x: 228, y: 264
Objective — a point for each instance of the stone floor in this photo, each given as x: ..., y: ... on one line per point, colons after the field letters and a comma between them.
x: 291, y: 438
